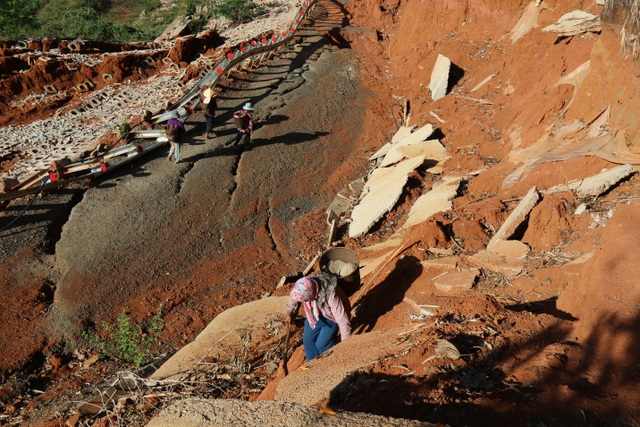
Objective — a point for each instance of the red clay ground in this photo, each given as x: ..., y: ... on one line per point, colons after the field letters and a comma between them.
x: 557, y: 345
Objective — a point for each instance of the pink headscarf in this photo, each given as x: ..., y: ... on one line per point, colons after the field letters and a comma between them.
x: 306, y: 291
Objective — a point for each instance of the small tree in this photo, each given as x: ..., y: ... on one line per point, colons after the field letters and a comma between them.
x: 128, y: 341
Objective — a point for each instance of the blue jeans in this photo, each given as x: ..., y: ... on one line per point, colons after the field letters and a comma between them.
x: 320, y: 339
x: 208, y: 122
x: 174, y: 152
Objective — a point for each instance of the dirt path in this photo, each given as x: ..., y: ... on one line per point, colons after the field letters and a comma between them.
x: 203, y: 235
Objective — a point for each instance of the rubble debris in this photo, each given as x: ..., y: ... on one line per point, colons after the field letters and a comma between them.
x: 385, y: 187
x: 595, y: 140
x: 431, y: 149
x: 177, y: 28
x: 427, y: 205
x: 575, y: 22
x: 506, y: 257
x: 402, y: 132
x: 440, y: 77
x: 393, y: 154
x: 516, y: 218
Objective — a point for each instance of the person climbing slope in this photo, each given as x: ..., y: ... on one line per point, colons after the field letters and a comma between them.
x: 243, y: 121
x: 327, y: 312
x: 209, y: 107
x: 174, y: 129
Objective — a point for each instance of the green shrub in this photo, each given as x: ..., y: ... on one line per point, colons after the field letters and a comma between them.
x: 125, y: 130
x: 237, y: 11
x: 126, y: 340
x: 18, y: 18
x: 75, y: 19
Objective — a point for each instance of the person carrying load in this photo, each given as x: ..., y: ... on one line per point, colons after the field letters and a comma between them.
x: 174, y: 129
x: 209, y: 107
x: 327, y: 312
x: 243, y: 121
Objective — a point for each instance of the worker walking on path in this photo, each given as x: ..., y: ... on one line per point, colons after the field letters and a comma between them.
x: 327, y: 312
x: 209, y: 107
x: 174, y: 129
x: 243, y: 121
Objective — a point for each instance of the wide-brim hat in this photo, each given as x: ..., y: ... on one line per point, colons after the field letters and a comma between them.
x: 247, y: 107
x: 208, y: 94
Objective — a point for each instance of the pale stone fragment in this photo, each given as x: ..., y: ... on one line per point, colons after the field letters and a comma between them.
x: 385, y: 187
x: 457, y: 280
x: 440, y: 77
x: 506, y: 257
x: 394, y: 155
x: 401, y: 133
x: 575, y: 22
x: 516, y: 218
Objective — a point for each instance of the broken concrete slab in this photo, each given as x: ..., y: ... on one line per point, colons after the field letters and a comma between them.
x: 177, y: 28
x: 516, y: 218
x: 457, y: 281
x: 434, y: 201
x: 400, y: 134
x: 345, y: 193
x: 369, y: 266
x: 427, y: 205
x: 342, y: 202
x: 423, y: 290
x: 385, y: 188
x: 394, y: 155
x: 506, y: 257
x: 440, y: 77
x: 431, y: 149
x: 339, y: 206
x: 594, y: 185
x: 357, y: 185
x: 575, y: 22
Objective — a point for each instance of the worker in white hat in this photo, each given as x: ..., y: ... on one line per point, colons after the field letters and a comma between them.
x: 209, y: 107
x: 243, y: 120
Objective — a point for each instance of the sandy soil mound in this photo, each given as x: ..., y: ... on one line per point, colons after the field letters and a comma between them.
x: 194, y: 413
